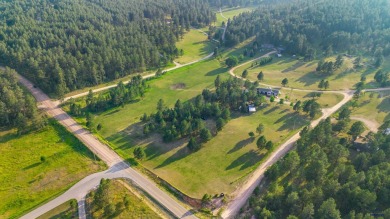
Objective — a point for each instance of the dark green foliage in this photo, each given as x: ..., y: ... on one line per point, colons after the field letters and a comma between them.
x: 345, y: 113
x: 17, y: 107
x: 67, y: 45
x: 231, y: 61
x: 261, y: 142
x: 205, y: 135
x: 245, y: 73
x: 356, y: 129
x: 300, y: 26
x: 382, y: 78
x: 284, y: 82
x: 193, y: 145
x: 260, y: 76
x: 118, y: 96
x: 322, y: 179
x: 139, y: 153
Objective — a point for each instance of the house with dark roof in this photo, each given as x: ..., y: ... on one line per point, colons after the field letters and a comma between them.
x: 268, y: 92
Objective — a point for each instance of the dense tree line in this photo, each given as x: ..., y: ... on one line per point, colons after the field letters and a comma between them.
x: 353, y: 26
x: 187, y: 119
x: 327, y: 177
x: 66, y: 45
x: 17, y: 107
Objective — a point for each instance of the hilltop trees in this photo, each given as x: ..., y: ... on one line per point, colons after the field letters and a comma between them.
x: 104, y: 41
x: 260, y: 76
x: 304, y: 28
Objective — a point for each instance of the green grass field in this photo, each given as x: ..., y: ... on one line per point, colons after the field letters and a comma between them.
x: 375, y: 107
x: 229, y: 13
x: 64, y: 211
x: 116, y: 192
x: 221, y: 173
x: 25, y: 181
x: 302, y: 74
x: 326, y: 100
x: 195, y: 46
x: 222, y: 163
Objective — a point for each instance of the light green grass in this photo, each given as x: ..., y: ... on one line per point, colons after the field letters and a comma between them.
x: 302, y: 74
x: 64, y: 211
x: 229, y: 13
x: 25, y: 181
x: 195, y: 46
x: 116, y: 192
x: 195, y: 78
x: 326, y: 100
x: 222, y: 163
x: 375, y: 108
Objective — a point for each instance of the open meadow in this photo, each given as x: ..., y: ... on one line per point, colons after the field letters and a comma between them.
x: 374, y: 107
x: 195, y: 46
x: 303, y: 75
x: 39, y: 166
x: 229, y: 13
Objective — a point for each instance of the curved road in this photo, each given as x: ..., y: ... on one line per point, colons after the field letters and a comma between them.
x: 118, y: 167
x: 144, y: 77
x: 242, y: 194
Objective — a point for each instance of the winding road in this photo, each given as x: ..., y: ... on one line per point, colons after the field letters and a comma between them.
x: 244, y: 192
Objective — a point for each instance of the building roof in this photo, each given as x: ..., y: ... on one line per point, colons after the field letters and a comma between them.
x: 252, y: 109
x: 387, y: 131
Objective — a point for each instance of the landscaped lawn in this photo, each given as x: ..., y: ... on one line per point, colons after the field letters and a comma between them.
x: 67, y: 210
x: 374, y: 106
x: 195, y: 46
x: 26, y: 181
x: 302, y: 74
x: 116, y: 193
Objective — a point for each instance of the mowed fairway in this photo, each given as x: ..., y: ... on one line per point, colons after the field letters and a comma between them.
x: 374, y: 107
x: 25, y: 181
x: 195, y: 46
x: 303, y: 75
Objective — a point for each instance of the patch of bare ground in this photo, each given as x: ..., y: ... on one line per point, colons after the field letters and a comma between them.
x: 178, y: 86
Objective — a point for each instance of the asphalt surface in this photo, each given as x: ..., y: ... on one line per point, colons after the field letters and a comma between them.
x: 118, y: 167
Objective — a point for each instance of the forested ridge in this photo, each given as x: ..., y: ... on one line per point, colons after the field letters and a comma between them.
x: 67, y: 45
x: 328, y: 176
x: 17, y: 107
x: 311, y: 27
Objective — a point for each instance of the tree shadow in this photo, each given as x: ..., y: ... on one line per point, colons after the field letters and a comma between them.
x: 246, y: 160
x: 293, y: 121
x: 294, y: 67
x: 32, y: 166
x: 311, y: 78
x: 241, y: 144
x: 384, y: 106
x: 180, y: 154
x: 344, y: 74
x: 273, y: 109
x: 216, y: 72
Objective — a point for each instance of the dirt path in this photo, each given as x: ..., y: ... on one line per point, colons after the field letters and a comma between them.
x: 178, y: 65
x: 242, y: 194
x: 372, y: 125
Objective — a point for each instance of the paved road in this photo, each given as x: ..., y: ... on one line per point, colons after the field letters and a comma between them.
x: 144, y: 77
x: 118, y: 167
